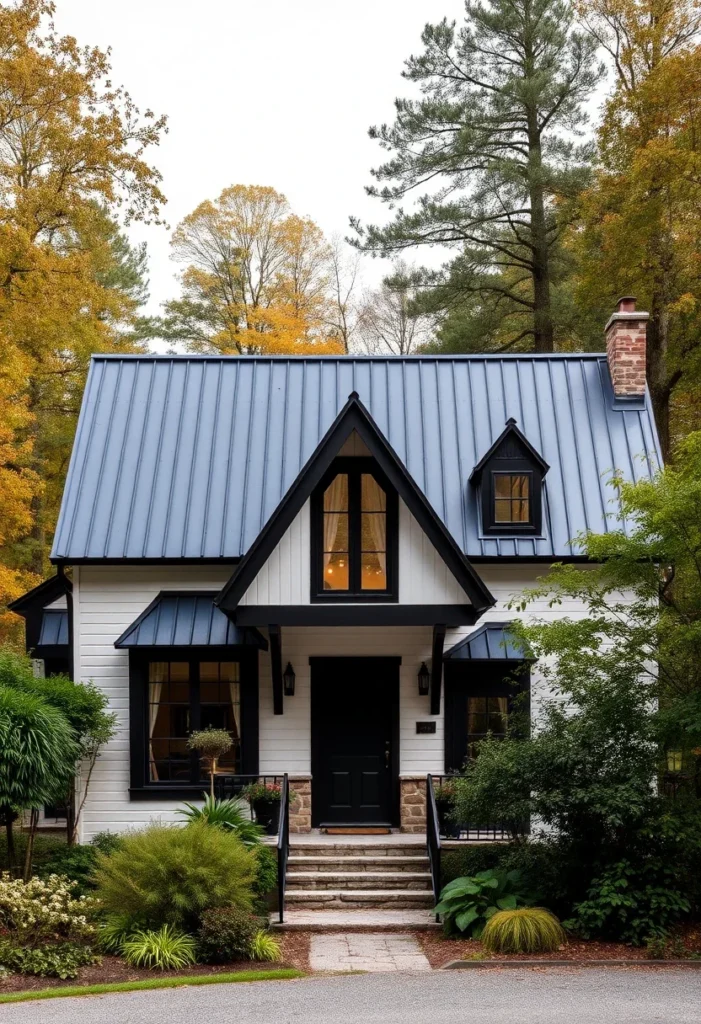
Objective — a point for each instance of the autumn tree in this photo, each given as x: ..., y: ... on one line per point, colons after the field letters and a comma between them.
x: 72, y: 158
x: 254, y: 279
x: 642, y: 225
x: 491, y: 141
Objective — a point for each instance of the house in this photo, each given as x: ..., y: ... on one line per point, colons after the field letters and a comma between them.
x: 318, y: 554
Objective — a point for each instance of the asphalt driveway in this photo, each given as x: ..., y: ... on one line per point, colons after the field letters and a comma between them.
x: 555, y: 996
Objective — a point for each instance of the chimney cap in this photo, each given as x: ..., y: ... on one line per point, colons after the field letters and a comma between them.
x: 626, y: 304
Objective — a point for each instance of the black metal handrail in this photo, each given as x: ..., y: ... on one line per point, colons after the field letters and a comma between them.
x: 228, y: 785
x: 283, y: 844
x: 466, y: 831
x: 433, y: 839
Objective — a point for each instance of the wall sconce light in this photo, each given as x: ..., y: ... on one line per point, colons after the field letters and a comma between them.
x: 288, y: 681
x: 424, y: 680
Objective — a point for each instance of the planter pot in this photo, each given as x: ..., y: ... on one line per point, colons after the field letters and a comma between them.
x: 448, y: 828
x: 267, y: 815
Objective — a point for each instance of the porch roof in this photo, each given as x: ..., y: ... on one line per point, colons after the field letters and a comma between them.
x: 494, y: 641
x: 187, y: 619
x: 54, y: 628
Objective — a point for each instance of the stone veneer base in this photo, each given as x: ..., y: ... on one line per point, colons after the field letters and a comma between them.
x: 412, y: 804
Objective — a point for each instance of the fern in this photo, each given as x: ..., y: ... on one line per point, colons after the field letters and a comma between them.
x: 528, y: 930
x: 164, y: 950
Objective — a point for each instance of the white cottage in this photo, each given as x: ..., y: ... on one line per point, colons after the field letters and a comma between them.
x: 317, y: 554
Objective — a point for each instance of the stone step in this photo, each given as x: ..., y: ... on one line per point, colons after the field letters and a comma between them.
x: 358, y: 880
x: 342, y: 920
x: 325, y: 899
x: 354, y: 863
x: 311, y: 849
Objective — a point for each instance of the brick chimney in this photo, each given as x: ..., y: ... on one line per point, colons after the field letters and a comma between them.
x: 626, y: 333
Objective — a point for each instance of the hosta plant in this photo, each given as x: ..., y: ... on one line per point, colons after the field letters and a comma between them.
x: 265, y: 947
x: 466, y: 904
x: 164, y: 950
x: 525, y: 930
x: 50, y: 960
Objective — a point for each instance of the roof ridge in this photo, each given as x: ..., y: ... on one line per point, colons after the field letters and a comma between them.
x: 307, y: 358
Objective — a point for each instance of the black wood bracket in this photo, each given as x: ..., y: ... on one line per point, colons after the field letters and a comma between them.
x: 275, y: 634
x: 437, y: 667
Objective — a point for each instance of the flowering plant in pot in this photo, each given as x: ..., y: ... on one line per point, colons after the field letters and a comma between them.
x: 264, y: 798
x: 445, y: 793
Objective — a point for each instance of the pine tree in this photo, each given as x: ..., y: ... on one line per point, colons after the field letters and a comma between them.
x: 491, y: 138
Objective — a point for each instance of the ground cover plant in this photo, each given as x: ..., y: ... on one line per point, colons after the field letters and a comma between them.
x: 165, y: 949
x: 524, y: 930
x: 466, y: 904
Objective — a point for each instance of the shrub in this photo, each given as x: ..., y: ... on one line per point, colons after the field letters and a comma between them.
x: 39, y: 910
x: 265, y: 947
x: 630, y: 903
x: 45, y: 847
x: 113, y: 933
x: 227, y: 814
x: 468, y: 903
x: 74, y: 862
x: 227, y: 933
x: 164, y: 950
x: 52, y: 960
x: 171, y: 875
x: 106, y: 842
x: 266, y: 877
x: 525, y: 930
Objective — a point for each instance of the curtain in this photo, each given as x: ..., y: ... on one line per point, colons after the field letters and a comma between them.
x: 333, y: 496
x: 235, y: 693
x: 154, y: 702
x: 377, y: 500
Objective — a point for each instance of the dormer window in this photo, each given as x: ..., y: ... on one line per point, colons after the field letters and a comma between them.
x: 509, y: 482
x: 354, y: 534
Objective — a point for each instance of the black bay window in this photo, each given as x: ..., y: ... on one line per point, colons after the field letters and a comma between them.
x: 174, y: 693
x: 354, y: 534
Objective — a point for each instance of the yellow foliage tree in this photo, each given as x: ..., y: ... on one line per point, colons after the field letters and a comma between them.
x: 255, y: 278
x: 72, y: 154
x: 642, y: 217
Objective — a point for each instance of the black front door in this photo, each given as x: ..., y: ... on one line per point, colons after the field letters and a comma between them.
x: 355, y: 716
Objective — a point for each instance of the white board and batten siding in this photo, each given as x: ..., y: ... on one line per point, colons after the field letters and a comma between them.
x: 285, y: 578
x: 108, y: 599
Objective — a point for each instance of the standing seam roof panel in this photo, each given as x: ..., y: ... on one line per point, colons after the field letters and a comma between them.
x: 185, y: 457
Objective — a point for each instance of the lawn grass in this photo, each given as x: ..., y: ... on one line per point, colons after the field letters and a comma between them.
x: 150, y: 983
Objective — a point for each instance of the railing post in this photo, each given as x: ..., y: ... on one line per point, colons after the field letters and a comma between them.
x: 283, y: 845
x: 433, y: 839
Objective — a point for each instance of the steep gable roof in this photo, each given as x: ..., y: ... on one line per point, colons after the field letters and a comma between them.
x: 186, y: 458
x: 354, y: 417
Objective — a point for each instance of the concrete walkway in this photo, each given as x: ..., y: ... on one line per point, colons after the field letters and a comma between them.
x: 366, y: 951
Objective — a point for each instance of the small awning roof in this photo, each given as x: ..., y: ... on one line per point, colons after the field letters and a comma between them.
x: 187, y: 619
x: 54, y: 628
x: 494, y: 641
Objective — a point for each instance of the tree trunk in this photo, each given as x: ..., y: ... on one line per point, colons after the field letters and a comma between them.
x: 542, y: 313
x: 33, y: 822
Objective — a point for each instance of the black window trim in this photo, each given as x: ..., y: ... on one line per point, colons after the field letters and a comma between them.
x: 141, y: 788
x: 511, y: 467
x: 354, y: 466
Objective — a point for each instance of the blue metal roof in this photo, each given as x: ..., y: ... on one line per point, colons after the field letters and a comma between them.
x: 186, y: 620
x: 492, y: 642
x: 54, y: 628
x: 188, y: 457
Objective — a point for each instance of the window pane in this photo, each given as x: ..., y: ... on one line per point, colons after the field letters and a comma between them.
x: 512, y: 498
x: 372, y: 497
x: 220, y: 708
x: 336, y: 494
x: 336, y: 570
x: 502, y: 510
x: 519, y: 486
x: 169, y: 721
x: 485, y: 715
x: 502, y: 485
x: 335, y: 531
x: 373, y: 531
x: 520, y: 511
x: 373, y: 570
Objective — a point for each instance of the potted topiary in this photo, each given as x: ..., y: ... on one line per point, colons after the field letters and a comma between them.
x: 445, y: 806
x: 211, y: 745
x: 264, y: 798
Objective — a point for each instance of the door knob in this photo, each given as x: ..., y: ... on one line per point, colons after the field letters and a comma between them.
x: 387, y: 754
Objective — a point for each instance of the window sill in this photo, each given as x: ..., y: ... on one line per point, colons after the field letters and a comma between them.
x: 166, y: 792
x: 381, y: 597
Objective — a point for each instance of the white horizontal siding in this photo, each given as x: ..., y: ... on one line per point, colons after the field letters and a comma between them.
x: 107, y: 600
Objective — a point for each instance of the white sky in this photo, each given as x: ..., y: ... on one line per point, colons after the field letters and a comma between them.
x: 278, y: 92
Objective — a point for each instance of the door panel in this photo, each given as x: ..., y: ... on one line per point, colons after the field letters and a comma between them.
x: 355, y: 704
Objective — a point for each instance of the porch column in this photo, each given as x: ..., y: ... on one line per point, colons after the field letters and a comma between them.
x: 437, y: 667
